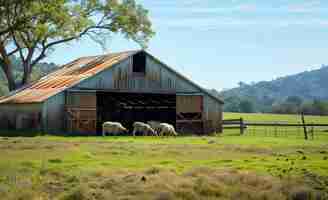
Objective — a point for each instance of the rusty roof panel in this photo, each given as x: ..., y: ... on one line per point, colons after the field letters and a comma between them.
x: 65, y: 77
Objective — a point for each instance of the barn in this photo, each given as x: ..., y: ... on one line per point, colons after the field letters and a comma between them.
x: 126, y: 87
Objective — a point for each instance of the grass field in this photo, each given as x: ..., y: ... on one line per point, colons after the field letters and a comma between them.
x: 224, y: 167
x: 291, y: 132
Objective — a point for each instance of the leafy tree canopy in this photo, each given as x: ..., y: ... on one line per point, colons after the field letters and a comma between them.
x: 31, y: 29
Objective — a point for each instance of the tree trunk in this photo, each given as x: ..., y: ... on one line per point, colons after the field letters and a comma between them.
x: 27, y: 74
x: 7, y: 69
x: 11, y: 80
x: 12, y: 85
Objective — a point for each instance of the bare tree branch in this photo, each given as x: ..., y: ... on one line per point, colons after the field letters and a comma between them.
x: 20, y: 49
x: 13, y: 52
x: 45, y: 47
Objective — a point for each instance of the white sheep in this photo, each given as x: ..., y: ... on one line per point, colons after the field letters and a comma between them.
x: 143, y: 128
x: 155, y: 125
x: 114, y: 128
x: 167, y: 129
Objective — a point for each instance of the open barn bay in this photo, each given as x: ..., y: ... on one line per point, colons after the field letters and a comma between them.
x: 218, y: 167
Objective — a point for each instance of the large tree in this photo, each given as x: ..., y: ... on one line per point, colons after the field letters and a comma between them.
x: 31, y: 29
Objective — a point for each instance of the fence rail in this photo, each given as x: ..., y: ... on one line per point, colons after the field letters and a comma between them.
x: 234, y: 124
x: 277, y: 128
x: 283, y: 124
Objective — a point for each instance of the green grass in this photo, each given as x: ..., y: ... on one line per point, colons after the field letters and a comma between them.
x: 51, y: 158
x: 289, y: 132
x: 256, y: 165
x: 228, y: 166
x: 78, y: 153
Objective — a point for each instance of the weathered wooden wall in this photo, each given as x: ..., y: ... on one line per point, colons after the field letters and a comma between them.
x: 82, y: 99
x: 21, y: 116
x: 53, y: 114
x: 121, y: 76
x: 212, y: 114
x: 81, y: 112
x: 189, y: 104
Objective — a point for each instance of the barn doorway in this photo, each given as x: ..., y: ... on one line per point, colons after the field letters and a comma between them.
x: 128, y: 108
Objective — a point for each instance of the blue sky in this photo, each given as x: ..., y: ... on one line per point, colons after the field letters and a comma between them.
x: 218, y: 43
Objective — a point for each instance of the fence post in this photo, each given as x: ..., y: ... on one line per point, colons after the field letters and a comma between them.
x: 275, y: 129
x: 312, y: 132
x: 304, y: 127
x: 241, y: 123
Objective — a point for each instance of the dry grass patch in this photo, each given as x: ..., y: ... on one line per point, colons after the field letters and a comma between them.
x: 164, y: 184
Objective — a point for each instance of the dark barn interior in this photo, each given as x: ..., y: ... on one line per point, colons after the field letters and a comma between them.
x: 128, y: 108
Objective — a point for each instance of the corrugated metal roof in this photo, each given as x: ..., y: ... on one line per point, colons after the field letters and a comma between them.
x: 63, y: 78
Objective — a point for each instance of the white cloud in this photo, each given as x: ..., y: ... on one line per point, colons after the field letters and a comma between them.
x: 247, y: 7
x: 306, y: 7
x: 199, y: 6
x: 208, y: 24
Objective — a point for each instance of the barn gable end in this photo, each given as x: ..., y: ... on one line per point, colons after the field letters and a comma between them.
x: 157, y: 78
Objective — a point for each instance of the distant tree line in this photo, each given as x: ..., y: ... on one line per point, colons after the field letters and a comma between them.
x: 290, y: 105
x: 314, y: 107
x: 306, y: 91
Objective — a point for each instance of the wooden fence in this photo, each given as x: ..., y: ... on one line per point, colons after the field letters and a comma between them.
x: 234, y: 124
x: 278, y: 128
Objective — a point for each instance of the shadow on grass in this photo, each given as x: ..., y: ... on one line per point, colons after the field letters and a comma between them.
x: 34, y: 133
x: 20, y: 133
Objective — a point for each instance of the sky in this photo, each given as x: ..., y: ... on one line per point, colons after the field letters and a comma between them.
x: 218, y: 43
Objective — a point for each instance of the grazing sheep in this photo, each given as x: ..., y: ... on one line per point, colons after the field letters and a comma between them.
x: 155, y: 125
x: 167, y: 129
x: 114, y: 128
x: 143, y: 128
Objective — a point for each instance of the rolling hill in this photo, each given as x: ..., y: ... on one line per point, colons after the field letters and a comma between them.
x: 306, y: 86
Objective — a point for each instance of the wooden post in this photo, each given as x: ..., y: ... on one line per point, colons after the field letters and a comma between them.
x: 241, y: 123
x: 275, y: 130
x: 312, y: 132
x: 304, y: 127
